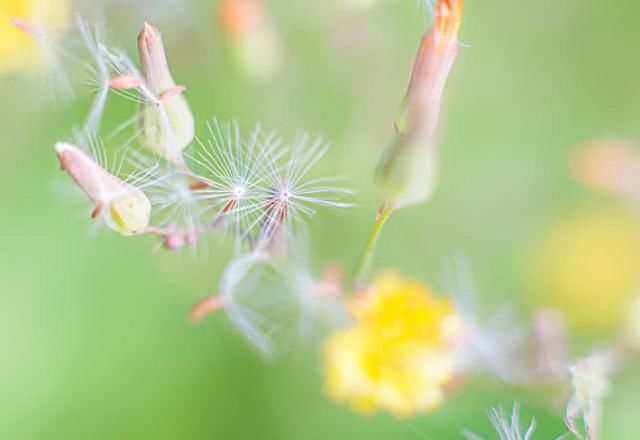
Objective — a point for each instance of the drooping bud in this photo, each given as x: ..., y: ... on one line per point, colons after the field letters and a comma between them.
x: 168, y: 122
x: 406, y: 173
x: 124, y: 208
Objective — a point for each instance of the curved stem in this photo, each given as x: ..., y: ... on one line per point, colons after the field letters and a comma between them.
x: 363, y: 268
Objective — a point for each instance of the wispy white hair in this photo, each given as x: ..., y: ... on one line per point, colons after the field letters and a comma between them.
x: 495, y: 345
x: 507, y: 428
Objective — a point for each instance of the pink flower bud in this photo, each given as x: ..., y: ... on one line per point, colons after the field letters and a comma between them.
x: 123, y: 207
x: 168, y: 123
x: 174, y: 242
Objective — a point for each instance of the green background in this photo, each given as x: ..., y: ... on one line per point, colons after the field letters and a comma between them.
x: 94, y: 336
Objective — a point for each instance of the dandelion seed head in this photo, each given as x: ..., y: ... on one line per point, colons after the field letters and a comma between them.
x: 508, y: 427
x: 257, y: 187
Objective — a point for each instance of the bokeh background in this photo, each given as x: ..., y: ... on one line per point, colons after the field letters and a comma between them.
x: 94, y: 336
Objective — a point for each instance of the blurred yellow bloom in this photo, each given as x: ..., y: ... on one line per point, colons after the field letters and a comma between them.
x: 23, y: 24
x: 398, y: 355
x: 588, y: 265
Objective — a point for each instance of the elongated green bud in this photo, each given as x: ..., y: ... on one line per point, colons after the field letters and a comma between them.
x: 406, y: 173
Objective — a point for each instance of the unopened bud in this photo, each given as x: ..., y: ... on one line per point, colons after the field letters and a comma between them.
x: 406, y: 173
x: 254, y: 42
x: 168, y: 123
x: 174, y: 242
x: 124, y: 208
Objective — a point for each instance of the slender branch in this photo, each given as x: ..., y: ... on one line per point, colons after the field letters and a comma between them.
x: 363, y: 268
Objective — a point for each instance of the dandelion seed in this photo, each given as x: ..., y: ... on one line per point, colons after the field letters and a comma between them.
x: 123, y: 207
x: 232, y: 172
x: 398, y: 355
x: 252, y: 194
x: 407, y: 170
x: 29, y: 35
x: 290, y: 198
x: 178, y: 214
x: 507, y: 428
x: 263, y: 301
x: 99, y: 70
x: 274, y: 302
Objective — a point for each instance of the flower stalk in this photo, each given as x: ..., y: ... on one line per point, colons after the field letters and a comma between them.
x: 363, y: 268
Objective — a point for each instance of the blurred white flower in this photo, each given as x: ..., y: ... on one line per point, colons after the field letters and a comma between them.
x: 591, y: 384
x: 497, y: 345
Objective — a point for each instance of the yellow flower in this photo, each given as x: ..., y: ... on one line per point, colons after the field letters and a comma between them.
x: 398, y: 355
x: 588, y: 265
x: 23, y: 24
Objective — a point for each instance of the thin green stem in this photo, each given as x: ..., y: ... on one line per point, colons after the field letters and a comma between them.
x: 363, y: 268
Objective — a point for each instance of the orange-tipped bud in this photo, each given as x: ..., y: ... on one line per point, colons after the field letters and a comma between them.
x: 431, y: 69
x: 407, y: 171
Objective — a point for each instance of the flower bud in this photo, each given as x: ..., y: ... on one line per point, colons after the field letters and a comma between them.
x: 124, y: 208
x: 168, y: 125
x: 254, y: 42
x: 406, y: 173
